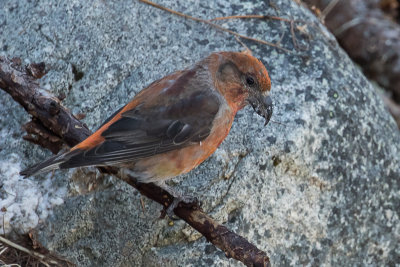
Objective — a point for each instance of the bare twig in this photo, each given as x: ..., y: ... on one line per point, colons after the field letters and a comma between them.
x: 251, y: 17
x: 38, y: 134
x: 215, y: 26
x: 291, y: 21
x: 232, y: 244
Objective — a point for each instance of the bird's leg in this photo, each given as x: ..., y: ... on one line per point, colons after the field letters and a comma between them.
x: 179, y: 199
x: 127, y: 175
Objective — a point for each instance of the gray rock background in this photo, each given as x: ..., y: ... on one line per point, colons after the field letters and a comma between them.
x: 322, y: 188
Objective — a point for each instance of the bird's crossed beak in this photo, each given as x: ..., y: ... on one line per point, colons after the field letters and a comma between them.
x: 262, y: 105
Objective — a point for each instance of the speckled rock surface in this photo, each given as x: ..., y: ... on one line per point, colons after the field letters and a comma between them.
x: 322, y: 188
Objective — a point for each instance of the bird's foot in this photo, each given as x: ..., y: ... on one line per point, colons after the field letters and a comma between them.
x: 182, y: 200
x: 179, y: 200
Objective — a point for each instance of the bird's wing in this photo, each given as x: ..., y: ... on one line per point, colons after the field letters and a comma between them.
x: 144, y: 133
x: 156, y: 126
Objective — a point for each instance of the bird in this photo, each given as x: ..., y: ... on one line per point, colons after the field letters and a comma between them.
x: 175, y: 123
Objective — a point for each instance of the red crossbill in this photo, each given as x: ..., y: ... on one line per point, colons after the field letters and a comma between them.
x: 175, y: 123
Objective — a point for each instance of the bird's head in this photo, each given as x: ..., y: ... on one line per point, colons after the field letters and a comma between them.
x: 243, y: 79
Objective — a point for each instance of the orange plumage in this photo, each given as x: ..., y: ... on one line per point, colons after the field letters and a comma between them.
x: 175, y: 123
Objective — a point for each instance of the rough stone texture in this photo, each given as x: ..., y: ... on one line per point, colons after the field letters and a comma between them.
x: 321, y: 189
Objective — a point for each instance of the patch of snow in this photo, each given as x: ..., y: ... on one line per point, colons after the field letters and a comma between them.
x: 25, y: 202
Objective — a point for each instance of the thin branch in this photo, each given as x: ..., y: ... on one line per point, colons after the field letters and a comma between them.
x: 215, y: 26
x: 232, y: 244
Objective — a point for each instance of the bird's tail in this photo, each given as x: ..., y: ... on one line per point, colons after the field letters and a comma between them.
x: 50, y: 164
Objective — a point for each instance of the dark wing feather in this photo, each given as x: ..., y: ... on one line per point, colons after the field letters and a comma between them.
x: 144, y: 132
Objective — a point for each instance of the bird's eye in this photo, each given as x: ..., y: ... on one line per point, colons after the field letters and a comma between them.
x: 250, y: 81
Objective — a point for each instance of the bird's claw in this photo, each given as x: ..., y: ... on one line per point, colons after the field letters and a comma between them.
x: 182, y: 201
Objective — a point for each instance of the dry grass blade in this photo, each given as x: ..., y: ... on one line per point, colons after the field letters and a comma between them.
x: 328, y: 9
x: 246, y: 48
x: 42, y: 258
x: 251, y: 17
